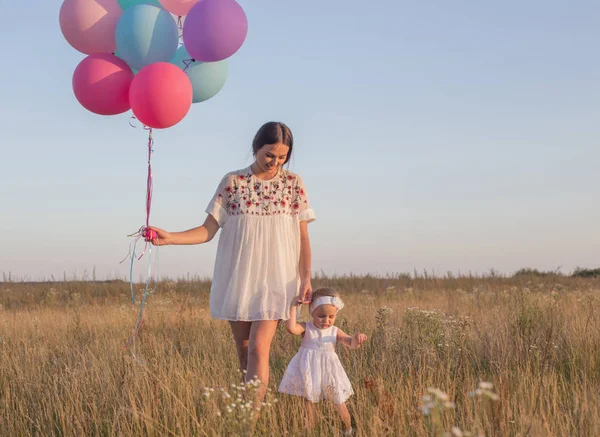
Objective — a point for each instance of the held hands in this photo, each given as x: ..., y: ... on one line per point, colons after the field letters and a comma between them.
x: 305, y: 292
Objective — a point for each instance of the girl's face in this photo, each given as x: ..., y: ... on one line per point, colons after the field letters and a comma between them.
x: 324, y: 316
x: 270, y: 157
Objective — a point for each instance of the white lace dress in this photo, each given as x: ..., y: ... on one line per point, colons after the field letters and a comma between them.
x: 256, y: 272
x: 316, y: 372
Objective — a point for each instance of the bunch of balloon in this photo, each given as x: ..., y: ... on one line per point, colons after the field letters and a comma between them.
x: 141, y: 57
x: 137, y: 59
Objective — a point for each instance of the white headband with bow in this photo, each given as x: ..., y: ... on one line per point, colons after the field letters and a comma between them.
x: 326, y: 300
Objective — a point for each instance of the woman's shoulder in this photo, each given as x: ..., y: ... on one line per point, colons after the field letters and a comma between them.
x: 290, y: 175
x: 242, y: 173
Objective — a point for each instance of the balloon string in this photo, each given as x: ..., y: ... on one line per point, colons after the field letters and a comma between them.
x: 188, y: 63
x: 140, y: 320
x: 142, y: 233
x: 180, y: 27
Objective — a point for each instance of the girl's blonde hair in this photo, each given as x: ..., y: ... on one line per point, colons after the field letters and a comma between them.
x: 324, y: 291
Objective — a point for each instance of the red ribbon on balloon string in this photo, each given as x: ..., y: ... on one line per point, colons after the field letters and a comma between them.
x: 149, y: 180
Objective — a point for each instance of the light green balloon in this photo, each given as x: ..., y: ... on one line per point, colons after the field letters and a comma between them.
x: 128, y: 3
x: 208, y: 78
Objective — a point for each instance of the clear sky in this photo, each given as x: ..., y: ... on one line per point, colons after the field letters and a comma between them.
x: 449, y: 136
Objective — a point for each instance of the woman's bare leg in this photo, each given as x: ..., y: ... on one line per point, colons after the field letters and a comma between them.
x: 241, y: 335
x: 259, y: 346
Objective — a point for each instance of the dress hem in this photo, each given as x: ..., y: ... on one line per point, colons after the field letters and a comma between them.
x: 316, y: 402
x: 246, y: 319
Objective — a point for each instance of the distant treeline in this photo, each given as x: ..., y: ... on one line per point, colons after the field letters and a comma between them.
x: 577, y: 273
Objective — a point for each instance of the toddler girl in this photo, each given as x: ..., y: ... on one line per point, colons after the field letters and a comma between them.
x: 316, y: 372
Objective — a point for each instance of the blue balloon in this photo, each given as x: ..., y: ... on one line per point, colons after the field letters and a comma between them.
x: 129, y: 3
x: 182, y: 57
x: 146, y: 34
x: 208, y: 78
x: 118, y: 55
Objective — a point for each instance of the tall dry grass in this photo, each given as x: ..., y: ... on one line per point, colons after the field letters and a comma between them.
x: 64, y: 370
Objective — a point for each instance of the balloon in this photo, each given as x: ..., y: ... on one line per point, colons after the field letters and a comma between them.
x: 178, y: 7
x: 207, y: 78
x: 182, y: 58
x: 101, y: 84
x: 129, y: 3
x: 160, y: 95
x: 89, y: 25
x: 214, y: 30
x: 146, y: 34
x: 118, y: 55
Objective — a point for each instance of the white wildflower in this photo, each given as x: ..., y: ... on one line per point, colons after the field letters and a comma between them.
x: 439, y: 394
x: 456, y: 432
x: 490, y: 394
x: 486, y: 385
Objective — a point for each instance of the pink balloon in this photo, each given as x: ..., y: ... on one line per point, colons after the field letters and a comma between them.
x: 89, y: 25
x: 214, y: 30
x: 178, y: 7
x: 101, y: 84
x: 160, y: 95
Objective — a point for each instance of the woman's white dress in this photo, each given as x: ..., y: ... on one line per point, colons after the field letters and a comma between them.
x: 316, y: 372
x: 256, y: 272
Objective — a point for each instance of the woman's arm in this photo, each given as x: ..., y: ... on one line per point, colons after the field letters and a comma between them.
x: 352, y: 342
x: 305, y: 263
x: 198, y: 235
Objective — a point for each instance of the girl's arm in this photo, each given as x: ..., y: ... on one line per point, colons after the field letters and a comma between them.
x: 198, y: 235
x: 305, y: 262
x: 291, y: 325
x: 352, y: 342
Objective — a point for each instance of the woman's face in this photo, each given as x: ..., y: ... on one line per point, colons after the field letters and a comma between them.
x: 270, y: 157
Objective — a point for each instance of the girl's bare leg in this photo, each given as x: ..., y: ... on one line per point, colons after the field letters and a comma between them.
x: 310, y: 414
x: 344, y: 415
x: 259, y: 346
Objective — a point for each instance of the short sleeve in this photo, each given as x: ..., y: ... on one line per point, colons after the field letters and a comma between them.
x: 217, y: 205
x: 305, y: 211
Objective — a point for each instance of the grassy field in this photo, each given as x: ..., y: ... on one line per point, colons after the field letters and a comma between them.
x: 463, y: 356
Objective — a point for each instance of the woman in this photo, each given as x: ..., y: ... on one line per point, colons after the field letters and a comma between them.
x: 263, y: 257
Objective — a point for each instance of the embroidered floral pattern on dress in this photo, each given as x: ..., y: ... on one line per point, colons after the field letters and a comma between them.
x: 246, y: 194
